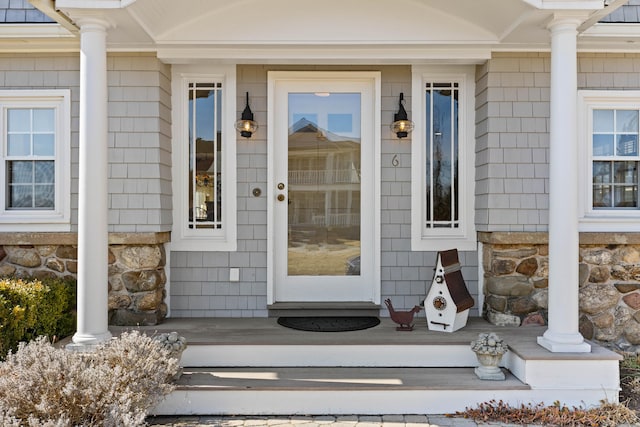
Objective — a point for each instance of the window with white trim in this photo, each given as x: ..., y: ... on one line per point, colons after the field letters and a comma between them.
x: 204, y: 208
x: 442, y: 168
x: 610, y: 156
x: 35, y: 160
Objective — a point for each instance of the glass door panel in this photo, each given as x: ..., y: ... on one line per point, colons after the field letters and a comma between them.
x: 324, y: 169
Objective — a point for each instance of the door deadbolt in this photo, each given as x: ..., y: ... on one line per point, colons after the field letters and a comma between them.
x: 280, y: 197
x: 280, y: 186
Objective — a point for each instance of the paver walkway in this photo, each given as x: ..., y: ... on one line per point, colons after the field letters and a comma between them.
x: 321, y: 421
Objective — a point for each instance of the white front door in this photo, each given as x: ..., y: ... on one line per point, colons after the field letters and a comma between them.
x: 324, y: 187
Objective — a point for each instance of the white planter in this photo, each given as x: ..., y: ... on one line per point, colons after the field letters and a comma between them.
x: 489, y: 369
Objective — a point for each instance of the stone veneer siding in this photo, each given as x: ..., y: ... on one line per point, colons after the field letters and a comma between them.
x: 516, y: 270
x: 137, y: 262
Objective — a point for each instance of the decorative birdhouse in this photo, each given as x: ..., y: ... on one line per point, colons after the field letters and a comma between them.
x: 448, y: 301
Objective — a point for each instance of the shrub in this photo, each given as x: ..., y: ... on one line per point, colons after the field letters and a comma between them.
x: 115, y: 385
x: 30, y: 308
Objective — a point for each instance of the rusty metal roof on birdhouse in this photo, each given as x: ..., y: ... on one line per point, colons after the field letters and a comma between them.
x: 454, y: 280
x: 458, y: 290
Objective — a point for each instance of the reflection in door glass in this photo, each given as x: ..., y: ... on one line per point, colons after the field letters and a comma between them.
x: 324, y: 184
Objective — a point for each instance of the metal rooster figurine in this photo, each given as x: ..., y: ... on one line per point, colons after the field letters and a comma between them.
x: 402, y: 318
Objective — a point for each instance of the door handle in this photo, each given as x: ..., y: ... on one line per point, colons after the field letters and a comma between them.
x: 280, y: 197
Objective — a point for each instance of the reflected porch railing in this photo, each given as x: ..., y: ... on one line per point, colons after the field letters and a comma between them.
x: 330, y: 176
x: 336, y: 219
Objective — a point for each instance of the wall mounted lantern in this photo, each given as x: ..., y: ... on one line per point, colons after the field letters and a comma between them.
x: 246, y: 125
x: 401, y: 125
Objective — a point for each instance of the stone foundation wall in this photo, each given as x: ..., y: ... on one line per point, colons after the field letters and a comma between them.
x: 137, y: 275
x: 516, y: 285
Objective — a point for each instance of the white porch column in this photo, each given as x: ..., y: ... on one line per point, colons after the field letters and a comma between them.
x: 562, y: 334
x: 93, y: 243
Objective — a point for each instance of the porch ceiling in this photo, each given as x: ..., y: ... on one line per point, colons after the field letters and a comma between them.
x: 329, y: 30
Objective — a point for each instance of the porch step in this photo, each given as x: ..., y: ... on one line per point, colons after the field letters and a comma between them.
x: 257, y: 367
x: 329, y: 355
x: 331, y: 390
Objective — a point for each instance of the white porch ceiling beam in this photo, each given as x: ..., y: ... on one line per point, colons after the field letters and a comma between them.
x: 93, y: 4
x: 566, y: 4
x: 325, y: 54
x: 599, y: 14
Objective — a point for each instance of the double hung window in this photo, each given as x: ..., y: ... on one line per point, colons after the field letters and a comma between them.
x: 610, y: 157
x: 35, y: 160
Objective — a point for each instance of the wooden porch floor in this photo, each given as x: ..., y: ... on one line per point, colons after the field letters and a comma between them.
x: 266, y: 331
x: 256, y: 331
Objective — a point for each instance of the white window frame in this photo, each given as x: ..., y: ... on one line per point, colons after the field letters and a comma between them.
x: 600, y: 220
x: 57, y: 219
x: 436, y: 239
x: 184, y: 238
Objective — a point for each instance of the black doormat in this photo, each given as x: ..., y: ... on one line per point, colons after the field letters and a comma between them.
x: 329, y: 324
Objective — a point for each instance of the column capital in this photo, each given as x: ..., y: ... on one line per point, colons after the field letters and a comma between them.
x: 566, y: 20
x: 90, y: 21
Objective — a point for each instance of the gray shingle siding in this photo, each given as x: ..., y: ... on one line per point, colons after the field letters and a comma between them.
x: 21, y: 12
x: 629, y: 13
x: 512, y: 111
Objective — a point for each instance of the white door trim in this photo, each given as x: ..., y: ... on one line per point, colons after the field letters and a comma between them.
x: 372, y: 206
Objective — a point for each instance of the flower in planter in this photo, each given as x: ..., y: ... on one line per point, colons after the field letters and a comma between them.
x: 172, y: 342
x: 175, y: 344
x: 489, y: 348
x: 489, y: 343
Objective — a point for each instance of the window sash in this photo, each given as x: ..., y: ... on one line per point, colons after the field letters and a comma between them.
x: 30, y: 185
x: 30, y: 136
x: 614, y: 160
x: 205, y: 153
x: 442, y: 145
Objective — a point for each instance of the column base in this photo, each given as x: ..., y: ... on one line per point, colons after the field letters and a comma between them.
x: 566, y: 344
x: 87, y: 342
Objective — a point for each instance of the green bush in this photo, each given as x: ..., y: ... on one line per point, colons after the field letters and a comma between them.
x: 31, y: 308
